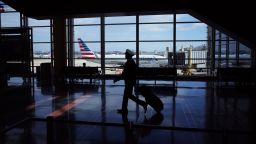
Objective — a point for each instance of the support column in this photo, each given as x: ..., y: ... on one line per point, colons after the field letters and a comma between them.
x: 212, y: 50
x: 174, y: 40
x: 59, y: 48
x: 102, y: 43
x: 70, y: 42
x: 137, y: 39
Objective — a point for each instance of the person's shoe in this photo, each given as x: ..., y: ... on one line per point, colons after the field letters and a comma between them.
x: 145, y: 107
x: 122, y: 111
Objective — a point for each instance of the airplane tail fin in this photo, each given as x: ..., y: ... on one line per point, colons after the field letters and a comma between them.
x: 85, y: 50
x: 2, y: 9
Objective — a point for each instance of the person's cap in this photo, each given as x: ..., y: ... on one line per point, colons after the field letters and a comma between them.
x: 131, y: 53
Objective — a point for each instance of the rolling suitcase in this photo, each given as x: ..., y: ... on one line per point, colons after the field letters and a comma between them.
x: 151, y: 98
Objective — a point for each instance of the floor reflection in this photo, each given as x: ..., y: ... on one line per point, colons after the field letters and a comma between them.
x: 199, y: 105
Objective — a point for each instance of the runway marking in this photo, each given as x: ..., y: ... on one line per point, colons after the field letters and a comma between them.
x: 69, y: 106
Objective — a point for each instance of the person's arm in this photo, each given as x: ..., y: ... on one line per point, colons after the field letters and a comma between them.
x: 118, y: 77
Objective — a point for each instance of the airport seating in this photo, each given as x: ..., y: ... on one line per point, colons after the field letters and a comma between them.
x: 242, y: 76
x: 156, y: 73
x: 73, y: 73
x: 17, y: 69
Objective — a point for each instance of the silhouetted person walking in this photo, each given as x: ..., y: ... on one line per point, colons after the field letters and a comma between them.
x: 129, y: 76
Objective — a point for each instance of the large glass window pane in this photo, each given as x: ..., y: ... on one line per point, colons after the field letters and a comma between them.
x: 154, y: 54
x: 41, y: 34
x: 192, y: 31
x: 193, y: 44
x: 121, y: 19
x: 34, y: 22
x: 244, y: 50
x: 10, y: 19
x: 185, y: 18
x: 94, y: 47
x: 156, y: 32
x: 217, y: 35
x: 78, y: 21
x: 80, y: 58
x: 217, y: 48
x: 114, y: 57
x: 232, y: 47
x: 221, y: 54
x: 42, y: 53
x: 223, y: 36
x: 8, y: 8
x: 42, y: 47
x: 119, y: 47
x: 195, y: 55
x: 87, y: 33
x: 155, y: 18
x: 232, y: 54
x: 244, y: 56
x: 120, y: 33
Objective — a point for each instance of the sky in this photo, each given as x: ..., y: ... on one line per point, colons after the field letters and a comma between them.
x: 120, y: 37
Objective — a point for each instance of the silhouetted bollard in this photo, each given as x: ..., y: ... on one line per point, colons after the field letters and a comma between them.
x: 50, y: 132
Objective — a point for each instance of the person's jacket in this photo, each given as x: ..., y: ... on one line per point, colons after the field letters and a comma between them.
x: 129, y: 72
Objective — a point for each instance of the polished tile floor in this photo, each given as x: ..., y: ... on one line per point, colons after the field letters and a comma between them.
x: 194, y: 112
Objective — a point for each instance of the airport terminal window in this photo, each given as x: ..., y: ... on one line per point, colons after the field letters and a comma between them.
x: 41, y: 34
x: 197, y: 55
x: 156, y: 32
x: 7, y: 8
x: 185, y: 18
x: 217, y: 35
x: 232, y: 54
x: 86, y: 21
x: 115, y: 57
x: 159, y: 52
x: 155, y: 18
x: 191, y: 45
x: 154, y: 36
x: 191, y: 31
x: 229, y: 53
x: 232, y: 47
x: 34, y: 22
x: 244, y: 50
x: 10, y: 19
x: 120, y: 33
x: 120, y: 20
x: 87, y: 34
x: 155, y: 40
x: 42, y: 53
x: 80, y: 59
x: 244, y: 56
x: 41, y: 40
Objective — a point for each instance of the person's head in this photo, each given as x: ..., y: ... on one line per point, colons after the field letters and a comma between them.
x: 129, y: 54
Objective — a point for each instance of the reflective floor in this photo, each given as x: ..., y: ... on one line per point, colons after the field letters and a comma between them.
x: 194, y: 112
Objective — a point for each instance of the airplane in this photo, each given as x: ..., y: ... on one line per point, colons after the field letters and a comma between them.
x: 119, y: 59
x: 42, y: 55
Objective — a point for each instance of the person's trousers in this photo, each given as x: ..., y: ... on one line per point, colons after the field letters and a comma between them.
x: 128, y: 94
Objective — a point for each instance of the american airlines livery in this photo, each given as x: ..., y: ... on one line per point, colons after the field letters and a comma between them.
x: 119, y: 59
